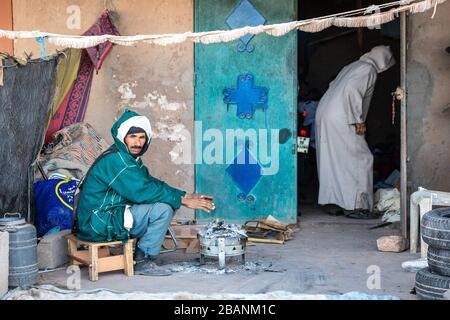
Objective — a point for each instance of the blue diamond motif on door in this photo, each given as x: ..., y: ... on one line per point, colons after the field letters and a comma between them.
x: 245, y: 171
x: 245, y: 14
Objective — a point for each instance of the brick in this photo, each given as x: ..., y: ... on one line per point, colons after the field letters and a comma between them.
x: 4, y: 262
x: 52, y: 250
x: 392, y: 244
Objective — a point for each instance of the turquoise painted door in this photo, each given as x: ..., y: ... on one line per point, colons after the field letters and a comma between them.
x: 245, y: 112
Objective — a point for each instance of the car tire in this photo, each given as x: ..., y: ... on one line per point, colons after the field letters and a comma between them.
x: 431, y: 286
x: 435, y: 228
x: 439, y: 261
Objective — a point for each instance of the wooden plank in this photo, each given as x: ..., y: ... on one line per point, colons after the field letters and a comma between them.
x: 82, y: 256
x: 182, y: 237
x: 128, y: 258
x: 111, y: 263
x: 168, y: 244
x: 194, y: 246
x: 93, y: 268
x: 182, y: 243
x: 272, y: 241
x: 71, y: 251
x: 96, y: 244
x: 185, y: 231
x: 79, y: 260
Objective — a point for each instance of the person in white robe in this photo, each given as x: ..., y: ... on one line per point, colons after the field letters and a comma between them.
x: 344, y: 161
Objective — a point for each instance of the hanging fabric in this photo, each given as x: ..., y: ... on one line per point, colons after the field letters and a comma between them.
x: 66, y: 73
x: 103, y: 25
x: 25, y: 99
x: 72, y: 108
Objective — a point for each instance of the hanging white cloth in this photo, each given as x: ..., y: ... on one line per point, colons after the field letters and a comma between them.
x: 351, y: 19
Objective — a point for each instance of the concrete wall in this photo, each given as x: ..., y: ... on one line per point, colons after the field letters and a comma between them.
x: 158, y: 81
x: 6, y: 23
x: 428, y: 103
x: 155, y: 81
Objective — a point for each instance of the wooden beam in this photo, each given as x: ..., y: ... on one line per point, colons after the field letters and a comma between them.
x: 95, y: 244
x: 93, y: 268
x: 272, y: 241
x: 83, y: 255
x: 111, y: 263
x: 194, y: 246
x: 128, y: 258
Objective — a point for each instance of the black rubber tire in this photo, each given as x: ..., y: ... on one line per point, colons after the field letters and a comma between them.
x: 431, y: 286
x: 435, y: 228
x: 439, y: 261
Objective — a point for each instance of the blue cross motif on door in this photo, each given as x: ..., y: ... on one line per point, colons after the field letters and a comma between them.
x: 247, y: 97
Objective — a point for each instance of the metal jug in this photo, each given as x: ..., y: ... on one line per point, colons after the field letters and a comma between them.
x: 23, y: 264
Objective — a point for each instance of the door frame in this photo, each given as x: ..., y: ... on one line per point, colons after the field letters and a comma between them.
x: 404, y: 194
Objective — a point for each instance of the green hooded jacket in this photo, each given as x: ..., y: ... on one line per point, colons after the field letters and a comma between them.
x: 116, y: 180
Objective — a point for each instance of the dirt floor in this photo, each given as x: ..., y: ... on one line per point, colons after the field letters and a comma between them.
x: 329, y: 255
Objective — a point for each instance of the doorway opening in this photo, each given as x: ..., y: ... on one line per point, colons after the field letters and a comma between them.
x: 321, y: 56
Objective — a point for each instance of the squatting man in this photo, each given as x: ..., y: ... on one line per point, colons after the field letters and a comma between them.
x: 120, y: 199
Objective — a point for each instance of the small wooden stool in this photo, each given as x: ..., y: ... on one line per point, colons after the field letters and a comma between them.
x: 98, y: 256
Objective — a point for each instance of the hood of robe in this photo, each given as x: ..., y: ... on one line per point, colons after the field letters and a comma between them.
x: 121, y: 127
x: 380, y: 57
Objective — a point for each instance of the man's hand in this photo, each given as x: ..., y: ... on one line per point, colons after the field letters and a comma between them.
x: 198, y: 202
x: 361, y: 129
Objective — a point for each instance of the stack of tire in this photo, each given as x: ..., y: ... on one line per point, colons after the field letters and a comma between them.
x: 433, y: 282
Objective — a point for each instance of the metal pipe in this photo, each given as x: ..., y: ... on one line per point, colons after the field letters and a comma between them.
x: 174, y: 239
x: 41, y: 170
x: 403, y: 129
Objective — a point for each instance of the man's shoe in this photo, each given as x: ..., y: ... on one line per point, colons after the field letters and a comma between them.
x: 139, y: 255
x: 148, y: 267
x: 156, y: 260
x: 361, y: 214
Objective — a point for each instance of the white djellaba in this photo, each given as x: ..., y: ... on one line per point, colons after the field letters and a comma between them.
x: 344, y: 161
